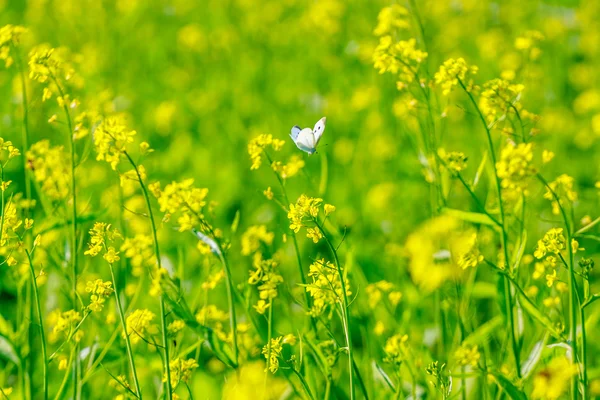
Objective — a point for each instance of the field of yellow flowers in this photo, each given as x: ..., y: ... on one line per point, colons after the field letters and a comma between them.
x: 168, y: 233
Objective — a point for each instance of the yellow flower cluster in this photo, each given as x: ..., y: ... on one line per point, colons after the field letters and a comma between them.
x: 455, y: 161
x: 11, y: 222
x: 467, y: 354
x: 392, y: 19
x: 454, y: 72
x: 10, y: 36
x: 466, y: 251
x: 266, y: 279
x: 326, y: 287
x: 254, y: 237
x: 273, y: 352
x: 138, y: 323
x: 429, y: 250
x: 528, y: 44
x: 101, y: 235
x: 552, y: 382
x: 99, y: 290
x: 294, y: 165
x: 499, y: 97
x: 111, y: 138
x: 183, y: 198
x: 49, y: 167
x: 395, y: 349
x: 140, y: 252
x: 8, y: 147
x: 563, y: 188
x: 212, y: 317
x: 376, y: 291
x: 400, y: 58
x: 258, y: 144
x: 553, y: 242
x: 181, y: 371
x: 49, y: 66
x: 515, y: 168
x: 66, y: 323
x: 308, y: 208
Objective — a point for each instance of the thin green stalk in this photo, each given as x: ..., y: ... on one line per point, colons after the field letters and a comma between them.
x: 269, y: 335
x: 572, y: 289
x: 163, y: 317
x: 345, y: 313
x: 232, y: 315
x: 295, y: 240
x: 63, y: 384
x: 504, y: 237
x: 36, y: 297
x: 138, y: 391
x: 73, y: 227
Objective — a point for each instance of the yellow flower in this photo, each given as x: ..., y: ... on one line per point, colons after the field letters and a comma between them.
x: 454, y: 72
x: 500, y: 98
x: 402, y: 59
x: 175, y: 326
x: 455, y: 161
x: 547, y: 156
x: 328, y: 209
x: 181, y: 371
x: 392, y: 18
x: 563, y: 188
x: 314, y: 234
x: 326, y: 287
x: 272, y: 353
x: 395, y: 349
x: 551, y: 278
x: 49, y: 167
x: 111, y: 138
x: 514, y: 168
x: 294, y: 165
x: 62, y: 365
x: 268, y: 193
x: 111, y: 256
x: 467, y: 354
x: 10, y: 36
x: 138, y: 323
x: 260, y: 143
x: 553, y: 381
x: 254, y: 237
x: 552, y: 242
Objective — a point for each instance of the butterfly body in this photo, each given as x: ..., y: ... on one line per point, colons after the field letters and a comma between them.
x: 307, y: 139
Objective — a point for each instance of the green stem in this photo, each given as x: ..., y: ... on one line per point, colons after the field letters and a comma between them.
x: 345, y: 313
x: 269, y: 336
x: 506, y: 283
x: 138, y: 391
x: 163, y: 317
x: 572, y: 289
x: 295, y: 240
x: 232, y: 315
x: 40, y: 322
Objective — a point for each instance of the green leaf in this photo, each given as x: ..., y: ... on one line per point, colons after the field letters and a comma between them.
x: 534, y: 357
x: 509, y: 388
x: 480, y: 170
x: 236, y: 222
x: 8, y: 351
x: 473, y: 217
x: 484, y: 331
x: 535, y: 313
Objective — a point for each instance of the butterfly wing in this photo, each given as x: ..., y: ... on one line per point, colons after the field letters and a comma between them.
x: 319, y: 129
x: 305, y: 140
x: 294, y: 133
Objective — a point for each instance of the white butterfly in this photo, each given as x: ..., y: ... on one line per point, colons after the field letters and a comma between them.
x: 307, y: 139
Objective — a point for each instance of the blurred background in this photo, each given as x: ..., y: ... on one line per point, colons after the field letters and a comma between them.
x: 199, y: 79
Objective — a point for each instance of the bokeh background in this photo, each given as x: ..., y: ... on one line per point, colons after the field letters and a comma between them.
x: 198, y: 79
